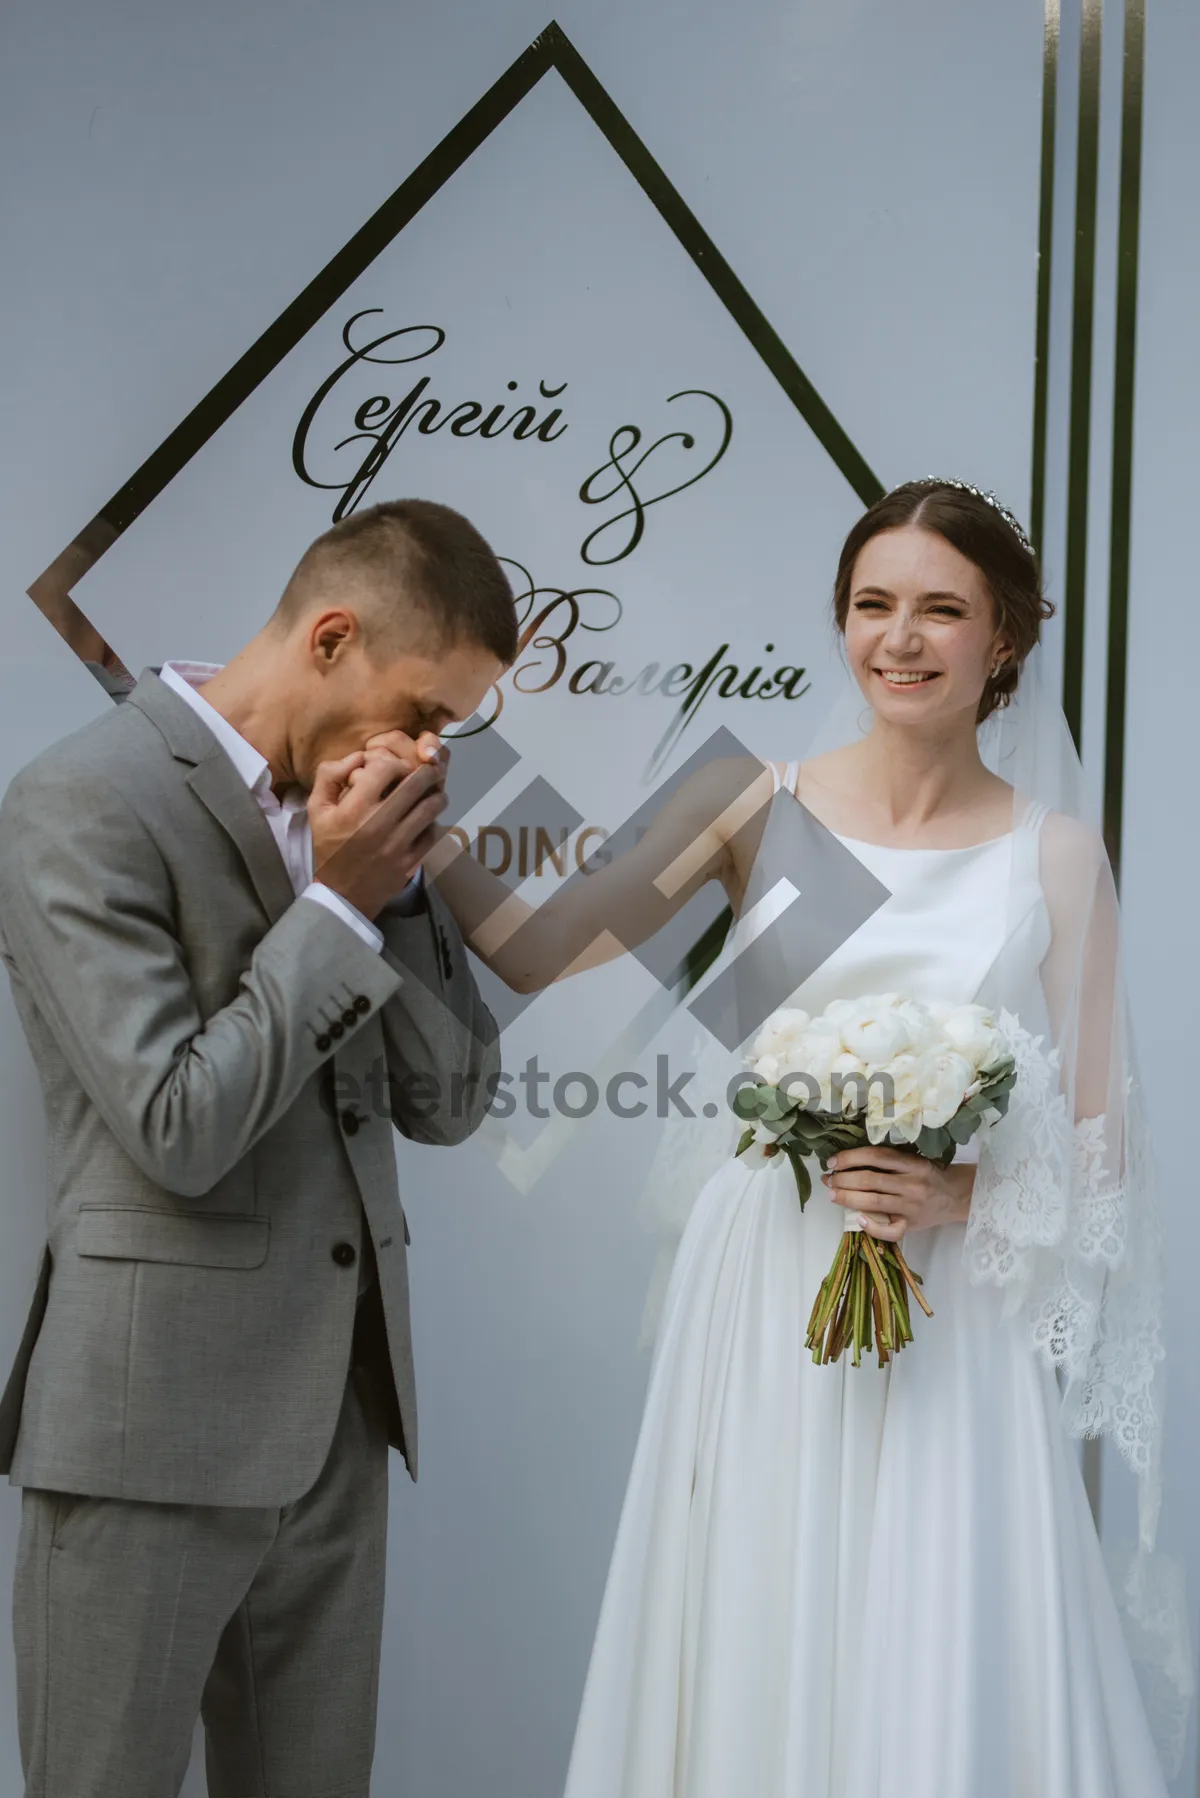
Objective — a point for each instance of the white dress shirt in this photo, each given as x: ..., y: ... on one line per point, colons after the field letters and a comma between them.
x: 286, y: 817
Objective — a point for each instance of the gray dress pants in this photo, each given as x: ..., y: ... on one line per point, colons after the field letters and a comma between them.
x: 131, y: 1619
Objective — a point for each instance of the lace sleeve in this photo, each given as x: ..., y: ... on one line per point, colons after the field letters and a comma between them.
x: 1050, y: 1223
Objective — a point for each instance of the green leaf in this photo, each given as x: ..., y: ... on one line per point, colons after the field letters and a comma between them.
x: 803, y: 1177
x: 806, y: 1129
x: 744, y: 1141
x: 747, y: 1101
x: 962, y: 1126
x: 998, y: 1070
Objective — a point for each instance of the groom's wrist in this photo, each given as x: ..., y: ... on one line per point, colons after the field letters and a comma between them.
x: 410, y: 901
x: 342, y: 908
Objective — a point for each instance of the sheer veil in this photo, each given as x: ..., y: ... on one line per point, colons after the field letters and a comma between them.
x: 1064, y: 1216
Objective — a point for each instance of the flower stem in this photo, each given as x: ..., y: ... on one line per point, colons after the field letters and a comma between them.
x: 863, y: 1302
x: 914, y: 1280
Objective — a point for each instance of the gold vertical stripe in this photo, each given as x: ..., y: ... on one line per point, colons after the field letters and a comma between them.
x: 1121, y: 499
x: 1051, y: 33
x: 1120, y: 533
x: 1079, y: 458
x: 1082, y: 320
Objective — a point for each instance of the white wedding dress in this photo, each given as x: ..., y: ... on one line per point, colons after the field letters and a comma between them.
x: 840, y: 1582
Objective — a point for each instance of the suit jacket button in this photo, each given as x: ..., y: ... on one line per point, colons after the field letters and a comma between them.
x: 351, y: 1121
x: 349, y: 1018
x: 344, y: 1253
x: 324, y: 1042
x: 362, y: 1005
x: 335, y: 1030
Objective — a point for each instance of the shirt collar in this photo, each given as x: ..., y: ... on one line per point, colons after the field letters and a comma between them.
x: 185, y: 678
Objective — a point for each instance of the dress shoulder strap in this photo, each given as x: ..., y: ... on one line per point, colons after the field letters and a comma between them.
x: 790, y: 772
x: 1027, y: 840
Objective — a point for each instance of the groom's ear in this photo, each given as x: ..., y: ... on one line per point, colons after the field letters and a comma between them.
x: 332, y: 631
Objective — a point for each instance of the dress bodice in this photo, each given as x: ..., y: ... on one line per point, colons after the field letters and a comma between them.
x: 935, y: 938
x: 958, y: 924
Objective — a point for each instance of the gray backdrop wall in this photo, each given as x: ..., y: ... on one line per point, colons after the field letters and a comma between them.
x: 174, y: 176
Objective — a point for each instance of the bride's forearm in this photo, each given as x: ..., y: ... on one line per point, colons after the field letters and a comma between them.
x: 528, y: 947
x: 962, y: 1185
x: 600, y: 913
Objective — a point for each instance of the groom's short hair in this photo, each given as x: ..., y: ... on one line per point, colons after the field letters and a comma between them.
x: 418, y: 574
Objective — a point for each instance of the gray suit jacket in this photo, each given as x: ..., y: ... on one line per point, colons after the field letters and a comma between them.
x: 221, y: 1064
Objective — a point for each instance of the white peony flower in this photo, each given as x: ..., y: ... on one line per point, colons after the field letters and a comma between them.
x: 875, y: 1029
x: 836, y: 1013
x: 894, y: 1102
x: 853, y: 1091
x: 753, y: 1156
x: 780, y: 1035
x: 971, y: 1029
x: 769, y: 1067
x: 814, y: 1055
x: 923, y: 1024
x: 945, y: 1077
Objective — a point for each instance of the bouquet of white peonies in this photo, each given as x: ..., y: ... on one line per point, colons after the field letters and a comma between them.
x: 880, y: 1069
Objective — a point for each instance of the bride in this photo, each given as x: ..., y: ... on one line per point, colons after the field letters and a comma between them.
x: 840, y: 1582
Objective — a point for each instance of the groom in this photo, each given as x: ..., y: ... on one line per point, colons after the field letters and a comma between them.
x: 211, y: 929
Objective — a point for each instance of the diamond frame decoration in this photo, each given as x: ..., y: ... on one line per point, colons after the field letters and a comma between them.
x: 552, y: 49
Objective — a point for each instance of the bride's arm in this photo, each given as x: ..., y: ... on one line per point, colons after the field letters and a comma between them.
x: 706, y: 830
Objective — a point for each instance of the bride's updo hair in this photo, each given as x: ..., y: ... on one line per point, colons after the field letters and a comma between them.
x: 978, y: 527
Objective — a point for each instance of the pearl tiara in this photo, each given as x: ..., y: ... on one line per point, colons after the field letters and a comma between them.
x: 989, y: 499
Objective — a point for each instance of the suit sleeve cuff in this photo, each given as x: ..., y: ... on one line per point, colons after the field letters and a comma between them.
x: 349, y: 914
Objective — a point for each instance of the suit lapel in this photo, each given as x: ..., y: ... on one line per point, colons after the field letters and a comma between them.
x: 220, y: 788
x: 217, y: 784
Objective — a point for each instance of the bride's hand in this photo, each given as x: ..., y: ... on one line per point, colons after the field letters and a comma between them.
x: 896, y: 1191
x: 408, y: 753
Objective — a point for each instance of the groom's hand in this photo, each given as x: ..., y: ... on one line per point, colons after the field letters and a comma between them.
x: 372, y: 823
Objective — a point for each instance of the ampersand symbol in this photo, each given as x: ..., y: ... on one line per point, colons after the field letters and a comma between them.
x: 623, y: 444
